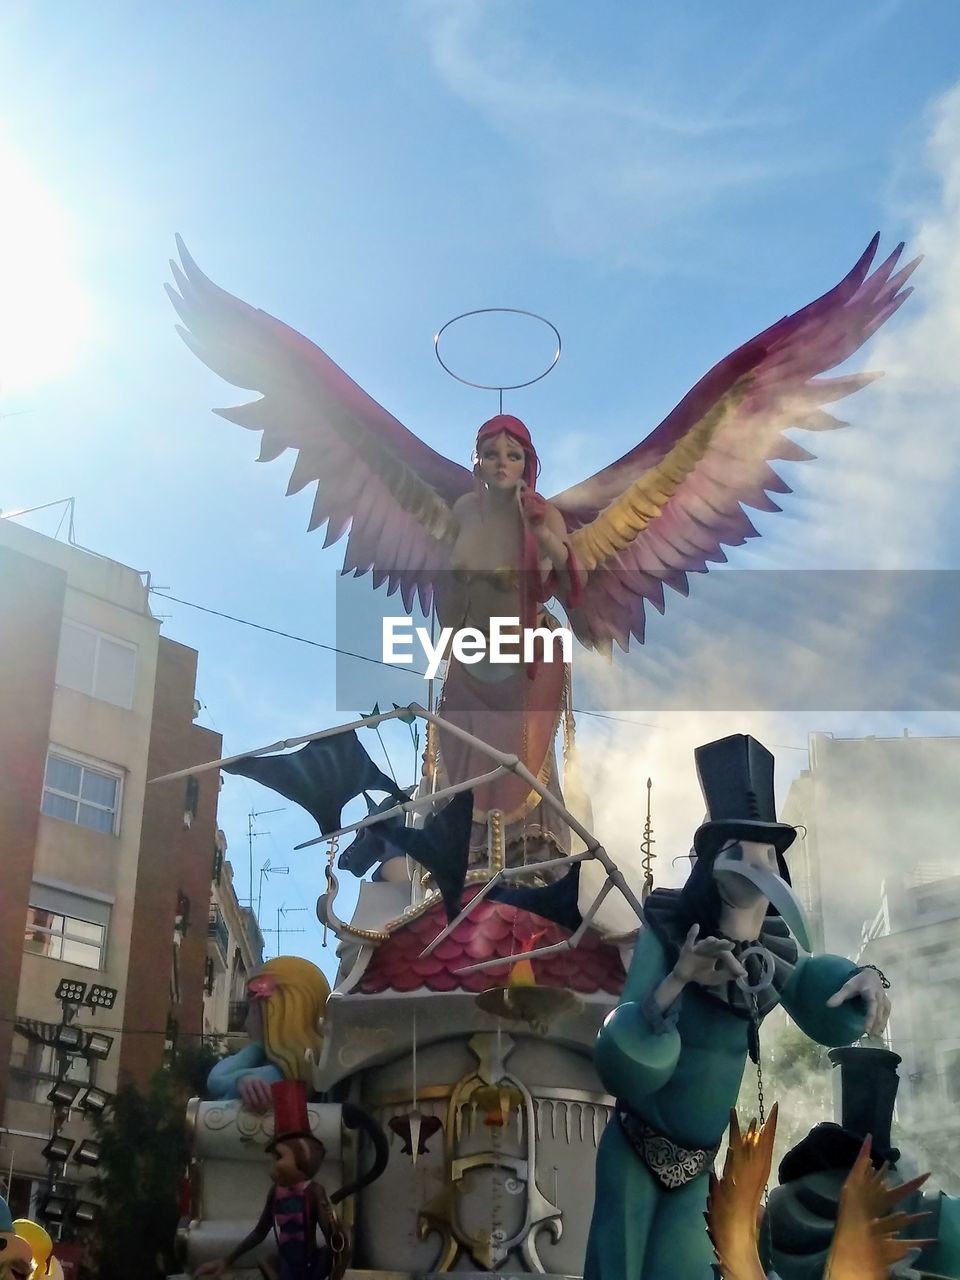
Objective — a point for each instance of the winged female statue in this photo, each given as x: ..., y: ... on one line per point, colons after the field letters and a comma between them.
x: 483, y: 542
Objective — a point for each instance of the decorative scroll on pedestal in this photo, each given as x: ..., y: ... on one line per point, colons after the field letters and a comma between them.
x: 444, y: 1214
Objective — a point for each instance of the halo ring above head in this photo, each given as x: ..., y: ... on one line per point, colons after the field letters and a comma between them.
x: 486, y: 311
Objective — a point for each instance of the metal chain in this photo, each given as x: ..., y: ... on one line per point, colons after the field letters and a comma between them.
x: 760, y: 1100
x: 760, y: 1105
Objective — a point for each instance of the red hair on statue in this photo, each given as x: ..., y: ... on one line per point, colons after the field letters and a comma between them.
x: 506, y: 423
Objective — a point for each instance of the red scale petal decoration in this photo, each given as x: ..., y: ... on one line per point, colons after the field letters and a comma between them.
x: 494, y: 929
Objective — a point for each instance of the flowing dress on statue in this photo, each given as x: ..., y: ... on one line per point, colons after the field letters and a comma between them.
x: 516, y: 709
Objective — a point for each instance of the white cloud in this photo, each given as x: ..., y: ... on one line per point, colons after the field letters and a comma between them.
x: 886, y: 499
x: 609, y: 164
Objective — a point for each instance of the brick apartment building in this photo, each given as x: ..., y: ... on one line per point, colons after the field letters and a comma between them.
x: 103, y: 879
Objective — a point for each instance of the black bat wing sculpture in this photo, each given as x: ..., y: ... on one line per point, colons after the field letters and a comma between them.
x: 442, y: 847
x: 556, y: 902
x: 321, y: 777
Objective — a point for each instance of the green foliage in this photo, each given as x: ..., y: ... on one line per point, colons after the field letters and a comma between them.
x: 192, y: 1066
x: 143, y: 1154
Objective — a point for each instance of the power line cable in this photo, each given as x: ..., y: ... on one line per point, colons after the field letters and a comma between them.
x: 379, y: 662
x: 287, y: 635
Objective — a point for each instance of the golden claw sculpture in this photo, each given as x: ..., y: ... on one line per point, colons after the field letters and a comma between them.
x: 867, y: 1240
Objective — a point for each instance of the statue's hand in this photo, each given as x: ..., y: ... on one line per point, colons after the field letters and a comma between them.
x: 868, y: 984
x: 707, y: 961
x: 255, y: 1094
x: 533, y: 508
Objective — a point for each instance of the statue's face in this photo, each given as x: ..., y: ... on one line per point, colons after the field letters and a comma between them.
x: 15, y: 1270
x: 501, y: 461
x: 286, y: 1172
x: 12, y: 1265
x: 747, y: 874
x: 735, y: 889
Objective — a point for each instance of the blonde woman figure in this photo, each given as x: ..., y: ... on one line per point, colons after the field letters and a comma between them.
x: 287, y: 1000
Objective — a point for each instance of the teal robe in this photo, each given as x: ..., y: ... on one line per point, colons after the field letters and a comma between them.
x: 682, y: 1077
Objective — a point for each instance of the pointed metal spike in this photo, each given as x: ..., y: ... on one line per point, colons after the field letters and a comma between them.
x: 414, y: 1118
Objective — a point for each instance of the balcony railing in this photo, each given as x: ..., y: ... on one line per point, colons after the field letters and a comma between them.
x: 237, y: 1017
x: 217, y: 930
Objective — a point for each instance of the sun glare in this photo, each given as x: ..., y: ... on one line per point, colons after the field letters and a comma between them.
x: 45, y: 314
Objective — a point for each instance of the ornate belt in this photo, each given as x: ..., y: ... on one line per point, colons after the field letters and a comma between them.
x: 672, y: 1165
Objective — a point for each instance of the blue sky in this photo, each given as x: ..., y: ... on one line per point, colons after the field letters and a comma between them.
x: 661, y: 181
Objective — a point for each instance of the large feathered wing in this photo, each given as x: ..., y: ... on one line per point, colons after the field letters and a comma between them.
x: 373, y: 476
x: 669, y: 506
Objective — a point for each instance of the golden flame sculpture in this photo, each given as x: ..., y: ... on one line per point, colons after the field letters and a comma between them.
x: 523, y: 999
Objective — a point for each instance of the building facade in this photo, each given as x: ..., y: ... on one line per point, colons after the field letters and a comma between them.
x: 869, y: 810
x: 234, y: 952
x: 878, y: 818
x: 915, y: 939
x: 105, y: 880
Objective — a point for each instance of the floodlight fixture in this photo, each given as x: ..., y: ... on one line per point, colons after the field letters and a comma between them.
x: 64, y: 1093
x: 95, y: 1100
x: 98, y: 1045
x: 88, y: 1152
x: 85, y: 1212
x: 70, y: 991
x: 99, y: 997
x: 68, y: 1037
x: 57, y: 1150
x: 55, y: 1205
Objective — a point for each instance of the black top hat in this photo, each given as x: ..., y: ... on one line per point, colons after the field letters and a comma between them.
x: 736, y: 777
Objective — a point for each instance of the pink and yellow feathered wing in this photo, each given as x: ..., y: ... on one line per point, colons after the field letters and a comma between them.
x: 667, y: 508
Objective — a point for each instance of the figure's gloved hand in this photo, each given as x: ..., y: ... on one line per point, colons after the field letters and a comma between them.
x: 255, y: 1094
x: 707, y: 961
x: 868, y: 985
